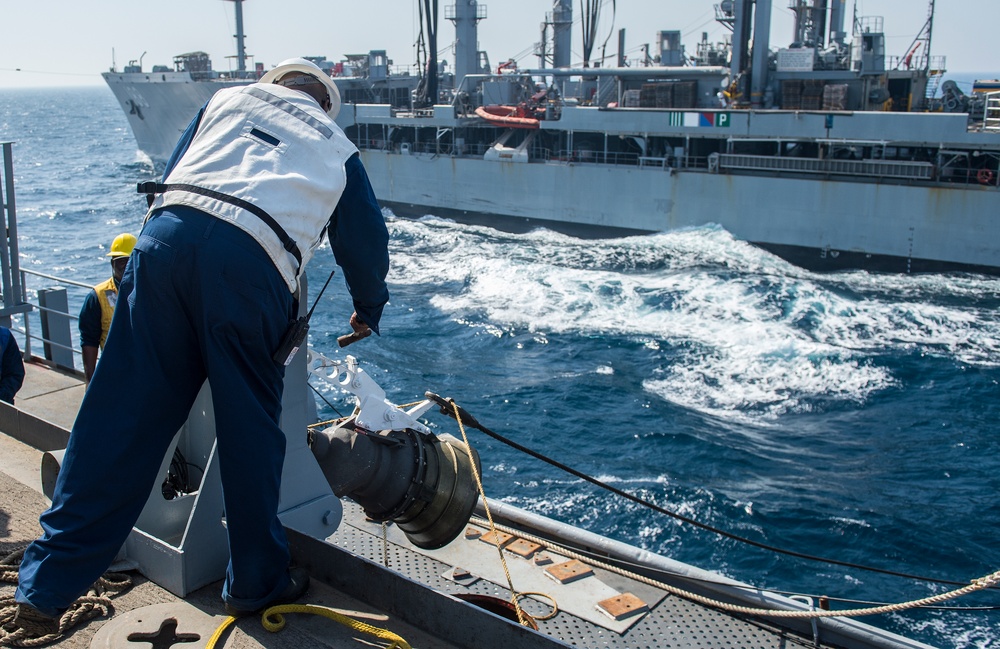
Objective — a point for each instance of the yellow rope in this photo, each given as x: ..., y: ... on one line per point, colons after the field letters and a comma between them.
x: 981, y: 583
x: 555, y: 607
x: 323, y: 424
x: 273, y: 620
x: 330, y: 422
x: 482, y: 493
x: 219, y: 631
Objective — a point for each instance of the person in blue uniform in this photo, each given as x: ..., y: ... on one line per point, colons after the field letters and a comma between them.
x: 11, y: 366
x: 260, y: 175
x: 99, y: 305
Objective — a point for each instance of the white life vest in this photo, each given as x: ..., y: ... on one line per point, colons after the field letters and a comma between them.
x: 263, y: 152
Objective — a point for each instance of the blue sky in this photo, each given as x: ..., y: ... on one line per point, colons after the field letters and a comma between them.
x: 69, y: 42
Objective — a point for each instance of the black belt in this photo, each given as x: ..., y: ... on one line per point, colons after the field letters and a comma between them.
x: 150, y: 189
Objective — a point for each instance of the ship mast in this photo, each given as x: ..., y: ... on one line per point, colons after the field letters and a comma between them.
x: 923, y: 39
x: 750, y: 21
x: 562, y: 35
x: 466, y: 16
x: 241, y: 53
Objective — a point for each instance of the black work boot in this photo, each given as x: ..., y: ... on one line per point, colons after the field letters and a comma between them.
x: 298, y: 584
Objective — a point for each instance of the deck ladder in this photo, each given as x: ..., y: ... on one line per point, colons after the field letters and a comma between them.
x: 991, y: 114
x: 935, y: 73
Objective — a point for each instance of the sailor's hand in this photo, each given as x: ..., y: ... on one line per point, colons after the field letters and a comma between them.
x: 361, y: 330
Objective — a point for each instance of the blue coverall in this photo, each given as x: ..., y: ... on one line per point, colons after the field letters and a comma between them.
x: 199, y: 299
x: 11, y: 366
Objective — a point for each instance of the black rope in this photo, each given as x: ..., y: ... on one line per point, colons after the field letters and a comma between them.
x: 332, y: 407
x: 448, y: 407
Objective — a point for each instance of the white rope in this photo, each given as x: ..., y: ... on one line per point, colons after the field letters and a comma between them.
x: 981, y: 583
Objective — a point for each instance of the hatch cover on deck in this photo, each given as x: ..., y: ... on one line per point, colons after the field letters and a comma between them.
x: 173, y: 625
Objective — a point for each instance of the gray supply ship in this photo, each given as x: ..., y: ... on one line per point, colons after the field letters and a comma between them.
x: 828, y: 152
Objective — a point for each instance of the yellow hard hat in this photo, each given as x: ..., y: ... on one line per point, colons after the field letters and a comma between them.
x: 122, y: 245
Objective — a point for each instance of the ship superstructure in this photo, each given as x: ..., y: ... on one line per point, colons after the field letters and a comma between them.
x: 828, y: 152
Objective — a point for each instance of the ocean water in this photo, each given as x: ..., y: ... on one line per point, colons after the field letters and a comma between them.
x: 848, y: 415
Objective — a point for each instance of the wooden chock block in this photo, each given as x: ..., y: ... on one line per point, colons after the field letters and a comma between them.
x: 496, y: 538
x: 523, y: 548
x: 569, y: 571
x: 622, y: 606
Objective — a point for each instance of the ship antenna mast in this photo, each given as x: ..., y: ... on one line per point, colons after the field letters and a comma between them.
x: 923, y: 38
x: 241, y: 52
x: 930, y: 30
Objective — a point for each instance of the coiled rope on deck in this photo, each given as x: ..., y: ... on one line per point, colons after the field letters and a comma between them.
x: 96, y: 603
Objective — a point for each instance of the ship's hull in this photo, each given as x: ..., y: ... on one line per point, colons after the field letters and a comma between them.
x: 160, y: 105
x: 817, y: 223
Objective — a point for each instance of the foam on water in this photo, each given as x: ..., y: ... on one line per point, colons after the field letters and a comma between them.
x: 750, y: 337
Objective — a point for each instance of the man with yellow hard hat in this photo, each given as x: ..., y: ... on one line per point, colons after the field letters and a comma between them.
x: 99, y: 305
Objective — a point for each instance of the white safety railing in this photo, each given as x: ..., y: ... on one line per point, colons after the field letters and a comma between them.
x: 51, y: 322
x: 42, y: 314
x: 991, y: 112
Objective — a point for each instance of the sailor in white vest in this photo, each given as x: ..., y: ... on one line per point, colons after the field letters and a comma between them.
x: 259, y: 176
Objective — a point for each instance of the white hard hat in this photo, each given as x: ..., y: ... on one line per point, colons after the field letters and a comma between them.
x: 307, y: 67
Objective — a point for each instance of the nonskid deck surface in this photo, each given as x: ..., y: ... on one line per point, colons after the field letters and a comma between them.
x: 53, y: 397
x: 19, y: 510
x: 671, y: 621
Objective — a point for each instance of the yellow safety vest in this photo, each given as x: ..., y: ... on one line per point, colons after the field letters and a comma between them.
x: 107, y: 297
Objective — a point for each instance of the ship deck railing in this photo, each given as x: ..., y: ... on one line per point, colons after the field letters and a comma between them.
x: 41, y: 314
x: 948, y: 171
x: 536, y: 153
x: 51, y: 322
x: 900, y: 169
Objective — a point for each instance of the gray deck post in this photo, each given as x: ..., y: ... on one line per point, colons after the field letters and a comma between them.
x: 56, y: 331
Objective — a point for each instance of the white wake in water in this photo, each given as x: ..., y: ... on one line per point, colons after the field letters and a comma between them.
x: 743, y: 334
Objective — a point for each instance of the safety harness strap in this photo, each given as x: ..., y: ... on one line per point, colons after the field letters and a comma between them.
x: 152, y: 188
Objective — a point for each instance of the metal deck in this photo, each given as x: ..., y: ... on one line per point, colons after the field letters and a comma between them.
x: 671, y: 621
x: 414, y: 592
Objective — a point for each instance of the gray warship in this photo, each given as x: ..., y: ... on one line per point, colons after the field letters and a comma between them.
x: 828, y: 152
